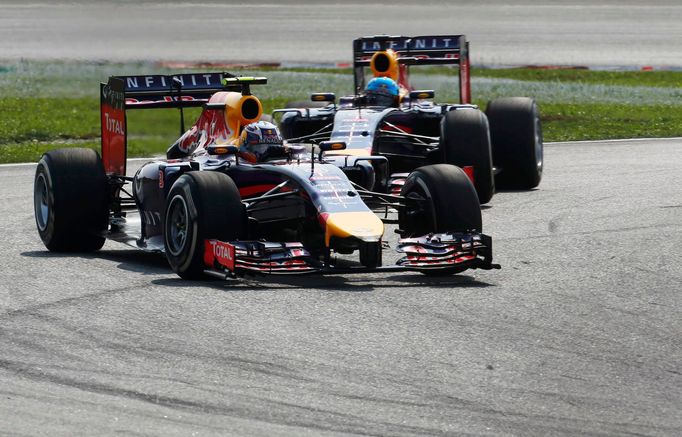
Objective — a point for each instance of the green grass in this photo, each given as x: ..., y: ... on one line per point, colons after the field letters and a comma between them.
x: 30, y: 127
x: 659, y: 79
x: 563, y: 122
x: 45, y: 119
x: 49, y: 105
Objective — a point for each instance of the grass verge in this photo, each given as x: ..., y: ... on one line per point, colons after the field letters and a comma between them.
x: 575, y: 104
x: 658, y: 79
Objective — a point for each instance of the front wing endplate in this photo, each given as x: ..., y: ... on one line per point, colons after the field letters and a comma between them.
x: 262, y: 257
x: 445, y: 250
x: 440, y: 251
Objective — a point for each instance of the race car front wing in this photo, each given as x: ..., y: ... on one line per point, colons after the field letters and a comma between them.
x: 431, y: 252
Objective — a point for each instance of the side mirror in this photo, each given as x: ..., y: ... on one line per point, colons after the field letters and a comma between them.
x: 326, y: 146
x: 222, y: 149
x: 422, y: 94
x: 323, y: 97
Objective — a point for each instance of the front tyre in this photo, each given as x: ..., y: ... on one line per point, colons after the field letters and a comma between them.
x: 444, y: 201
x: 70, y: 199
x: 370, y: 254
x: 200, y: 206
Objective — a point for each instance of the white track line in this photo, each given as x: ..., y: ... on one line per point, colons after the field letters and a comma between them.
x: 622, y: 140
x: 26, y: 164
x: 557, y: 143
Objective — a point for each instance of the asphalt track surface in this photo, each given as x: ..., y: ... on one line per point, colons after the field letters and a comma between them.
x: 575, y: 32
x: 578, y: 334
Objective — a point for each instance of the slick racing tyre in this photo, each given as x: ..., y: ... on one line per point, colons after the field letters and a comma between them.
x: 302, y: 104
x: 516, y: 135
x: 448, y: 204
x: 465, y: 141
x: 70, y: 199
x: 370, y: 254
x: 200, y: 205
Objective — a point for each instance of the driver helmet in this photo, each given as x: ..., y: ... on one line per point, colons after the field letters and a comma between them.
x: 260, y: 141
x: 382, y: 91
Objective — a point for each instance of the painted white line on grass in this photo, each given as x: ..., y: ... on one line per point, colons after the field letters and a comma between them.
x: 27, y: 164
x: 621, y: 140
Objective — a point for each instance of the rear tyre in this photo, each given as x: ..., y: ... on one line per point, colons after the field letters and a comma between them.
x: 516, y: 135
x: 200, y: 206
x: 465, y: 141
x: 70, y: 199
x: 451, y: 205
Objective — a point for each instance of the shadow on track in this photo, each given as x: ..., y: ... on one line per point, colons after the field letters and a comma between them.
x: 515, y: 190
x: 147, y: 263
x: 130, y: 260
x: 357, y: 283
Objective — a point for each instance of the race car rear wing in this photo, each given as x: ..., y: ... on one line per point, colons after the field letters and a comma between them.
x: 122, y: 93
x: 416, y: 50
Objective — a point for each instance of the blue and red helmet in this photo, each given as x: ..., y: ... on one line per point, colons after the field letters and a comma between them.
x: 382, y: 91
x: 260, y: 141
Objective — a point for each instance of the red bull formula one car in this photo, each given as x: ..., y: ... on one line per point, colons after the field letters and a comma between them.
x: 232, y: 199
x: 387, y: 117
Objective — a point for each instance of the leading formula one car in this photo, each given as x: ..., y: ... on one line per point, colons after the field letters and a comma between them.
x: 502, y: 146
x: 211, y: 208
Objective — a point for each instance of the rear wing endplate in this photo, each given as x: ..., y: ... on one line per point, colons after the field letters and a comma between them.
x: 416, y: 50
x: 122, y: 93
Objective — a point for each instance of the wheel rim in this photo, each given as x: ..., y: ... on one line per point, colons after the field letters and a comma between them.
x: 177, y: 225
x: 41, y: 202
x: 421, y: 220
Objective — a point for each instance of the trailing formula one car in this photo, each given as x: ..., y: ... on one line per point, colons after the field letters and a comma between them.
x: 232, y: 199
x: 389, y: 118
